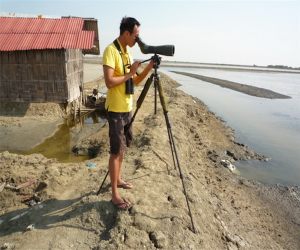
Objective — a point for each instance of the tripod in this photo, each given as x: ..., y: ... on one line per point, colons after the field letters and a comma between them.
x: 158, y: 88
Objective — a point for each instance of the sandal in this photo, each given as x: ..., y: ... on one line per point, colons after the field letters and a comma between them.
x: 125, y: 185
x: 123, y: 205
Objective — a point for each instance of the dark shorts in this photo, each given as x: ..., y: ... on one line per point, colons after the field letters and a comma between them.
x: 120, y: 135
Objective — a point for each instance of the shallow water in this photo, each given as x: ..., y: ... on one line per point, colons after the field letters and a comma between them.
x: 271, y: 127
x: 60, y: 145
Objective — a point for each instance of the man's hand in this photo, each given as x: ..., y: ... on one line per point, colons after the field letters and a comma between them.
x: 152, y: 63
x: 134, y: 67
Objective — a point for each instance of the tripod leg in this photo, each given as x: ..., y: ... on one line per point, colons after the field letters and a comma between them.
x: 140, y: 101
x: 165, y: 111
x: 98, y: 192
x: 155, y: 97
x: 172, y: 149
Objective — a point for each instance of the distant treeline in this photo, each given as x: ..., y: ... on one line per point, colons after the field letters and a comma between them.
x: 282, y: 67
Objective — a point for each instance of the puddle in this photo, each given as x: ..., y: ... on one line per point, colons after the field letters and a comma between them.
x: 60, y: 145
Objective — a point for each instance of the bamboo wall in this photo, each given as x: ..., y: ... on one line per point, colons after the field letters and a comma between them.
x: 40, y: 76
x: 74, y: 70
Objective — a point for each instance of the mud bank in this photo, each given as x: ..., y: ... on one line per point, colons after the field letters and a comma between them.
x: 229, y: 211
x: 244, y: 88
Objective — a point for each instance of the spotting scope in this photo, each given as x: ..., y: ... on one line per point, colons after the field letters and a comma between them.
x: 165, y: 50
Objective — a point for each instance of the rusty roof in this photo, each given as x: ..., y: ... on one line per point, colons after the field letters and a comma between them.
x: 19, y: 33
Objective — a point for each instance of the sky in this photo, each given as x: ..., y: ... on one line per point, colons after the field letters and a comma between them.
x: 244, y: 32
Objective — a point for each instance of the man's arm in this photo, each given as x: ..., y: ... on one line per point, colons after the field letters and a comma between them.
x: 138, y: 78
x: 112, y: 81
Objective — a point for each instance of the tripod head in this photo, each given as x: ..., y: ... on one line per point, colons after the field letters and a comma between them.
x: 156, y: 59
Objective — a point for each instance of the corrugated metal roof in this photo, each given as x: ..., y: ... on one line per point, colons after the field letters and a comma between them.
x: 18, y: 33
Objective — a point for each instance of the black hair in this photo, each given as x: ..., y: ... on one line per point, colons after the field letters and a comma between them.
x: 127, y: 24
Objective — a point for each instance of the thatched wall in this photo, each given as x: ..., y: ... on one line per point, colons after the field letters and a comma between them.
x: 40, y: 75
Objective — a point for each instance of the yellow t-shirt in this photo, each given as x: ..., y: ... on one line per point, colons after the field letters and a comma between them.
x: 117, y: 100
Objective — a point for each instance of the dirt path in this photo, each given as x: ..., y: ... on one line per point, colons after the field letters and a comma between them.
x: 229, y: 211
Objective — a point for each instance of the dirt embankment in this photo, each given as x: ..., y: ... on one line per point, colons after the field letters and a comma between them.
x: 244, y: 88
x: 229, y: 212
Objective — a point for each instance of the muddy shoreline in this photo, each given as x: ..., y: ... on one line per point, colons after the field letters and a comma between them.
x: 230, y: 212
x: 24, y: 126
x: 243, y: 88
x: 229, y: 67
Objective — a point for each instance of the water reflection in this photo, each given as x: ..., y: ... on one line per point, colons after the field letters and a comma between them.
x: 271, y: 127
x: 60, y: 145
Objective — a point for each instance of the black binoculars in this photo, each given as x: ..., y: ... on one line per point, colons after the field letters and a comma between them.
x: 129, y: 87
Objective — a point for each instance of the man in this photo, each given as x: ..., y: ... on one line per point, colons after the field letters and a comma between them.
x: 120, y: 75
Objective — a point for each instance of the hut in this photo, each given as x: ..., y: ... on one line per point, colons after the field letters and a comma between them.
x: 41, y: 59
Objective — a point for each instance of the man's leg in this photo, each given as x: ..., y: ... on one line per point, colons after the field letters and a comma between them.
x: 119, y: 172
x: 122, y: 183
x: 114, y: 172
x: 127, y: 141
x: 117, y: 146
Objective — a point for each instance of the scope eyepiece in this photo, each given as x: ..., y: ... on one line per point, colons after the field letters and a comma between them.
x: 165, y: 50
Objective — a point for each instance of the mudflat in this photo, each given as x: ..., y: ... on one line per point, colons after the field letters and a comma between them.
x: 244, y: 88
x: 229, y: 212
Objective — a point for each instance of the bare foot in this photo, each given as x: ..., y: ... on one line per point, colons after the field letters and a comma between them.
x: 122, y: 204
x: 125, y: 185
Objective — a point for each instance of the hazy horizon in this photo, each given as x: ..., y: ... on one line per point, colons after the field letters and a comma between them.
x: 169, y: 59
